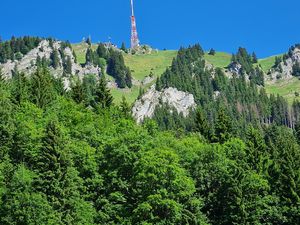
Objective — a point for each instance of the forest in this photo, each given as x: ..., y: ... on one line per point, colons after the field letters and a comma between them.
x: 74, y: 157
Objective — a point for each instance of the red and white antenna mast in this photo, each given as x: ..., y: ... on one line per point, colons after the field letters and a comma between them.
x: 134, y: 35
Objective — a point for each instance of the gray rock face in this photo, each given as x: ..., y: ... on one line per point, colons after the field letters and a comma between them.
x: 285, y: 69
x: 234, y: 68
x: 28, y: 62
x: 145, y: 107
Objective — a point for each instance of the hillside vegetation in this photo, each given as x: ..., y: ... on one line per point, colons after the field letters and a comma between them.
x: 157, y: 62
x: 289, y: 89
x: 73, y: 157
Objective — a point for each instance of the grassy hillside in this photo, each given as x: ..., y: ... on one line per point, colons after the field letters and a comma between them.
x: 80, y: 50
x: 220, y: 59
x: 142, y: 65
x: 267, y: 63
x: 157, y: 62
x: 285, y: 88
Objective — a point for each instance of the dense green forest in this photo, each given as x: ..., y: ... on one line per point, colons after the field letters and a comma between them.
x: 242, y: 97
x: 73, y: 157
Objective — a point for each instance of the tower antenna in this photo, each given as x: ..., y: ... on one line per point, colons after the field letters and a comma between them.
x: 134, y: 35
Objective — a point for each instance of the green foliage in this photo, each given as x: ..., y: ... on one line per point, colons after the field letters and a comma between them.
x: 42, y: 87
x: 123, y: 47
x: 212, y: 52
x: 9, y: 50
x: 224, y: 127
x: 75, y: 158
x: 244, y: 58
x: 54, y: 59
x: 103, y: 97
x: 116, y: 68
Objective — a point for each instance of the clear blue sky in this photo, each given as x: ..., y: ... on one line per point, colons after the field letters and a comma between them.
x: 267, y: 27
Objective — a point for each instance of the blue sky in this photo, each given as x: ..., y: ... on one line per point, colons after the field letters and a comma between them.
x: 267, y: 27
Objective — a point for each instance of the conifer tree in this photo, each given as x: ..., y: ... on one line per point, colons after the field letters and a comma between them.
x: 254, y: 58
x: 202, y: 125
x: 54, y: 59
x: 123, y: 47
x: 89, y: 41
x: 125, y: 108
x: 103, y: 97
x: 78, y: 92
x: 212, y: 52
x: 223, y: 127
x: 20, y: 90
x: 102, y: 51
x: 42, y: 91
x: 89, y: 57
x: 68, y: 66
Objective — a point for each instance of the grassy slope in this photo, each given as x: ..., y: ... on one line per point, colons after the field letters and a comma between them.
x: 157, y: 62
x: 285, y: 88
x: 220, y: 59
x: 142, y: 65
x: 267, y: 63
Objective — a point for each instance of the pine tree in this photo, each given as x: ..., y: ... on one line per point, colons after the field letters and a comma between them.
x: 212, y: 52
x: 223, y: 127
x: 89, y: 56
x: 59, y: 180
x: 256, y: 150
x: 125, y: 108
x: 54, y: 59
x: 254, y: 58
x: 68, y: 66
x: 78, y: 92
x: 102, y: 51
x: 123, y: 47
x: 42, y: 91
x: 202, y: 125
x: 89, y: 41
x: 20, y: 90
x: 103, y: 97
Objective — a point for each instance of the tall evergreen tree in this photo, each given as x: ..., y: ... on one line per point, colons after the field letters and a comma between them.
x: 223, y: 127
x: 125, y: 108
x: 54, y: 59
x: 103, y: 97
x: 42, y: 90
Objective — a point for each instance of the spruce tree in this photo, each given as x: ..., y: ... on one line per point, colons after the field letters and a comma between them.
x: 89, y: 56
x: 212, y: 52
x: 102, y: 51
x: 68, y: 66
x: 254, y: 58
x: 103, y: 97
x: 78, y: 92
x: 54, y: 59
x: 223, y: 127
x: 125, y: 108
x: 123, y: 47
x: 42, y: 90
x: 20, y: 90
x: 202, y: 125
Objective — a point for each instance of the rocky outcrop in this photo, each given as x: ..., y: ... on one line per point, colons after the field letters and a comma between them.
x: 145, y: 107
x: 284, y: 70
x: 27, y: 63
